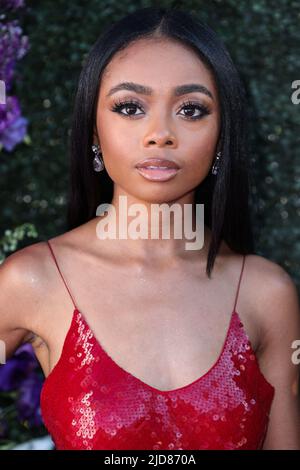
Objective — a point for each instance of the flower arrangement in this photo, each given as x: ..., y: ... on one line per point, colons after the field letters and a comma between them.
x: 20, y: 376
x: 13, y: 47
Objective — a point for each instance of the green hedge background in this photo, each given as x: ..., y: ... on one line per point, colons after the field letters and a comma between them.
x: 263, y: 37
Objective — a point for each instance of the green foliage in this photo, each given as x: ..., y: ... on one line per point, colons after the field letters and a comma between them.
x: 11, y: 239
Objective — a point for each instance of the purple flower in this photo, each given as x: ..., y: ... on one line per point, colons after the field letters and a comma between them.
x: 21, y: 373
x: 13, y: 47
x: 13, y: 127
x: 9, y: 112
x: 28, y: 404
x: 15, y: 134
x: 17, y: 368
x: 12, y: 4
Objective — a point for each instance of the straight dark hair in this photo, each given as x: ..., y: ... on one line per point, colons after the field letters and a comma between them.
x: 226, y: 195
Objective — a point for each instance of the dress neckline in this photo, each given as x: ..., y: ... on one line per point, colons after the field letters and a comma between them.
x: 144, y: 384
x: 234, y: 316
x: 97, y: 344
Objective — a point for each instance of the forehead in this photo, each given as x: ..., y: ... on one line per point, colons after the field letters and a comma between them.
x: 159, y: 63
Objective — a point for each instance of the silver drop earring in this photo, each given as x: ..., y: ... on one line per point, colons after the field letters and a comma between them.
x: 98, y: 163
x: 215, y: 167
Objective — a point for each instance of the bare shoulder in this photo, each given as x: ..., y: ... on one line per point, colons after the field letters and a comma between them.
x: 262, y: 266
x: 23, y: 279
x: 277, y: 308
x: 24, y: 267
x: 274, y: 295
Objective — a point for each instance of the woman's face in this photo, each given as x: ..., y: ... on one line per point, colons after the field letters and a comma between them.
x: 183, y: 128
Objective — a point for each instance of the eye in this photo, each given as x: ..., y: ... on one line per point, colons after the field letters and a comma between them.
x: 192, y: 106
x: 128, y: 105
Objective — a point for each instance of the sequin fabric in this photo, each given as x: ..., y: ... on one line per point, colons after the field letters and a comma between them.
x: 89, y: 402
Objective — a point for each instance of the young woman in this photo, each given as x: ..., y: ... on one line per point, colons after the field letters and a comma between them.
x: 145, y: 344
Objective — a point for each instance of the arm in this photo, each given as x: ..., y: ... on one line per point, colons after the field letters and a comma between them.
x: 280, y: 327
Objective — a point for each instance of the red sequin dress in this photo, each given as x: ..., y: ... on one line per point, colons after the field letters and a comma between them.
x: 89, y: 402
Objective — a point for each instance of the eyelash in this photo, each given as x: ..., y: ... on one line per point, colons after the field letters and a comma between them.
x: 121, y: 104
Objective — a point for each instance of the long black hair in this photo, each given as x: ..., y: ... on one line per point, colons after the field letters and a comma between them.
x: 226, y: 195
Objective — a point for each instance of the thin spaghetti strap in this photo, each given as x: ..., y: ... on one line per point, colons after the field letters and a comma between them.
x: 238, y: 287
x: 51, y: 250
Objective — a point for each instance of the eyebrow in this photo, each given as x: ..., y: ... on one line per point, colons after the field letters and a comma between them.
x: 146, y: 90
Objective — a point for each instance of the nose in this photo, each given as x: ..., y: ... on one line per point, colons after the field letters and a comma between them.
x: 159, y: 129
x: 160, y: 139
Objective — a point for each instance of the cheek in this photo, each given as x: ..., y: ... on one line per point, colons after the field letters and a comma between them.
x: 118, y: 145
x: 202, y: 152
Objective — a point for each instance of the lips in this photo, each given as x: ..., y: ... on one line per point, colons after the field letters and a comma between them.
x: 159, y: 163
x: 157, y: 169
